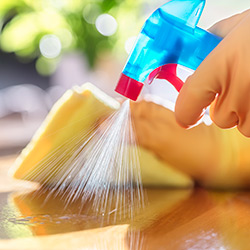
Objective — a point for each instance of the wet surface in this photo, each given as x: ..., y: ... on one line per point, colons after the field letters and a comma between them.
x: 40, y: 213
x: 171, y: 219
x: 182, y: 219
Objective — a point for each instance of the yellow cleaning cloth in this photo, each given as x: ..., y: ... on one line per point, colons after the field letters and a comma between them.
x: 73, y: 116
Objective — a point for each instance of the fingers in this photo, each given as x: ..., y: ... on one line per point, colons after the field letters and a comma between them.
x: 244, y: 127
x: 192, y: 101
x: 222, y: 113
x: 224, y: 27
x: 227, y: 118
x: 201, y: 88
x: 152, y: 121
x: 244, y: 108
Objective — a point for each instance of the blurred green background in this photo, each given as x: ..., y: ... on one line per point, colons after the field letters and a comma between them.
x: 45, y: 29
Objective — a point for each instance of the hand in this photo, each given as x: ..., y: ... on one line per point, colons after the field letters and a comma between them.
x: 194, y: 152
x: 209, y: 155
x: 222, y: 80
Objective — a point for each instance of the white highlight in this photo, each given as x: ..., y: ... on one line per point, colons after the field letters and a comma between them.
x: 129, y: 44
x: 106, y: 24
x: 50, y: 46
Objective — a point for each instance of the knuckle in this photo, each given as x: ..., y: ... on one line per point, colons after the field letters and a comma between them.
x: 223, y: 115
x: 184, y: 121
x: 244, y: 130
x: 244, y: 126
x: 224, y: 119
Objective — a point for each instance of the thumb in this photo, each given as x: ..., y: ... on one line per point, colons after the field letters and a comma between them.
x: 198, y: 92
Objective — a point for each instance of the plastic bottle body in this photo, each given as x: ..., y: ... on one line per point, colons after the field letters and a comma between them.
x: 165, y: 40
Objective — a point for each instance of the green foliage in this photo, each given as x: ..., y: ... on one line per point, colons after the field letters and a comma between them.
x: 24, y: 22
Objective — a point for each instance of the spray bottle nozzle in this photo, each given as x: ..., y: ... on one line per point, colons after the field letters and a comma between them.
x: 169, y: 36
x: 129, y: 87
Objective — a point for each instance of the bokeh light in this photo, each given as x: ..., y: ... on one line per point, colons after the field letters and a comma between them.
x: 25, y: 98
x: 106, y: 24
x: 58, y: 4
x: 65, y: 37
x: 46, y: 66
x: 55, y: 92
x: 129, y: 44
x: 50, y: 46
x: 91, y: 12
x: 3, y: 108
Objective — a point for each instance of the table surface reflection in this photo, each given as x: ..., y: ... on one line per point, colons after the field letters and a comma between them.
x: 171, y: 219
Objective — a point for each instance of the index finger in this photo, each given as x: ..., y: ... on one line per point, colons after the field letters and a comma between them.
x: 199, y: 91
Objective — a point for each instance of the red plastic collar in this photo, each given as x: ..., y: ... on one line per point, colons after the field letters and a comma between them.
x: 169, y: 73
x: 129, y: 87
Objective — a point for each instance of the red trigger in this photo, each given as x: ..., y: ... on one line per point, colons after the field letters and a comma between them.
x: 167, y: 72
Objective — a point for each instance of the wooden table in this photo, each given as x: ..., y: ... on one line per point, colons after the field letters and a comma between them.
x: 172, y: 219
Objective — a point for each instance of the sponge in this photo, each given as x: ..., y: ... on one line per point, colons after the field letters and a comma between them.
x: 72, y: 117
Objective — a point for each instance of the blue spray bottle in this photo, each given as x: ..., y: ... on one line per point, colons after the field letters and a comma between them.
x: 169, y: 37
